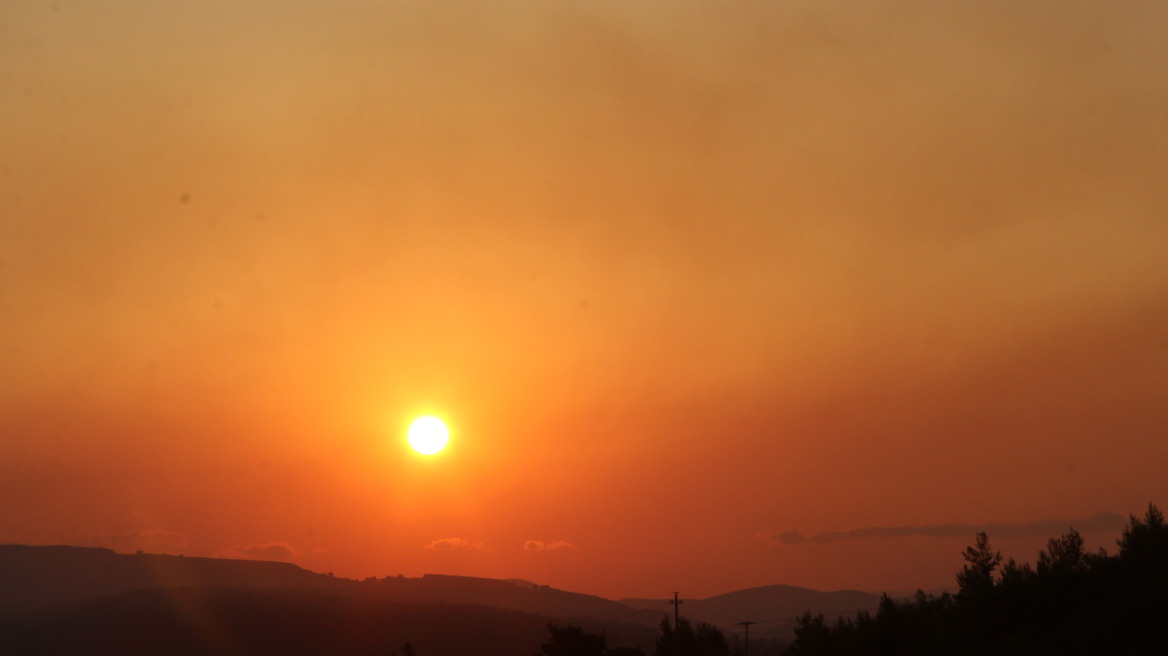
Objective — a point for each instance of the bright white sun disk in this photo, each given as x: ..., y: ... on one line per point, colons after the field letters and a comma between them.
x: 428, y: 435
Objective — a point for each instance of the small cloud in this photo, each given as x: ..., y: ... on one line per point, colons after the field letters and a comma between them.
x: 1103, y: 521
x: 261, y: 551
x: 790, y: 537
x: 554, y: 545
x: 452, y: 544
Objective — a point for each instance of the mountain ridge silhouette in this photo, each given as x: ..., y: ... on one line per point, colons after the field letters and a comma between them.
x: 43, y: 578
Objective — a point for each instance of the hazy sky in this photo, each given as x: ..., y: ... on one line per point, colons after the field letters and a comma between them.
x: 711, y: 295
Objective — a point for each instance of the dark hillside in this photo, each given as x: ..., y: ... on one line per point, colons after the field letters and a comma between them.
x: 33, y: 577
x: 188, y: 621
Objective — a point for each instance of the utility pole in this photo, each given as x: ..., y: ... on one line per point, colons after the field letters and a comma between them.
x: 746, y: 625
x: 676, y: 624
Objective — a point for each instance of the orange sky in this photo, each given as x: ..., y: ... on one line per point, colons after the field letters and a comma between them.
x: 682, y: 278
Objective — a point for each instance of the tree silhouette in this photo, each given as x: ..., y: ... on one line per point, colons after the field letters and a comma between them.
x: 1072, y: 602
x: 977, y: 575
x: 1145, y: 543
x: 573, y: 641
x: 667, y: 641
x: 1063, y: 555
x: 705, y: 640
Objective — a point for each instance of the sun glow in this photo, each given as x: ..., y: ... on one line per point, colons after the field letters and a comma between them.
x: 428, y: 435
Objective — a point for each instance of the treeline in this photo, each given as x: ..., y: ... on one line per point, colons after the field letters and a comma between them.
x: 1070, y: 602
x: 704, y: 640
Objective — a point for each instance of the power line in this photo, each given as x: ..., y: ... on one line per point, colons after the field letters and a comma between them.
x: 676, y: 624
x: 746, y: 641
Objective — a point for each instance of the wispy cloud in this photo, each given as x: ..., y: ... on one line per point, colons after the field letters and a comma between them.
x: 554, y: 545
x: 452, y: 544
x: 154, y: 540
x: 273, y: 550
x: 1103, y: 521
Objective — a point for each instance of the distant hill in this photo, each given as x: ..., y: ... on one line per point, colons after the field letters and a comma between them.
x: 774, y: 607
x: 522, y: 595
x: 32, y: 577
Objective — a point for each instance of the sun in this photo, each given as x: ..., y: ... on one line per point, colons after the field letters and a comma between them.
x: 428, y: 435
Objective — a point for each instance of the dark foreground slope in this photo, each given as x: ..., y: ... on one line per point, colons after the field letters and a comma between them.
x: 187, y: 621
x: 73, y: 600
x: 88, y: 600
